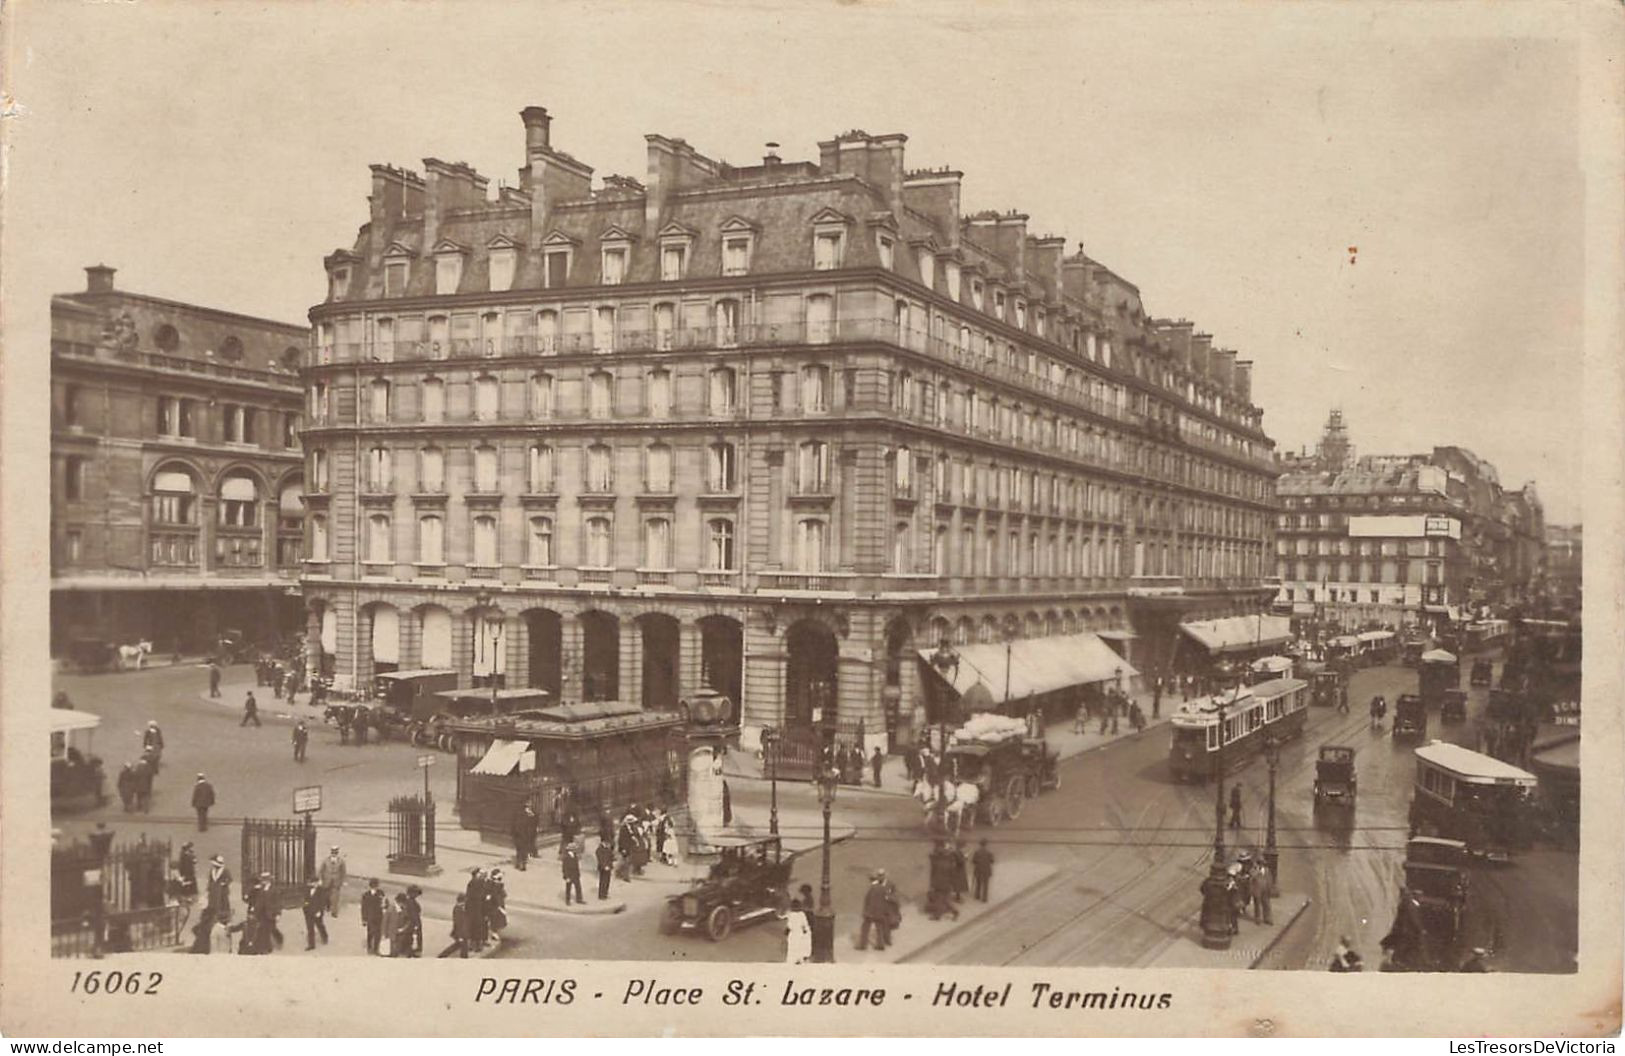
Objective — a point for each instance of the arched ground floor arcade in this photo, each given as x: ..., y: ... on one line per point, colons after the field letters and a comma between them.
x: 849, y: 664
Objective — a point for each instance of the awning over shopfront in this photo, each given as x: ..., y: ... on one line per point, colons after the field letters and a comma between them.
x: 1237, y: 633
x: 1444, y: 610
x: 500, y: 758
x: 1036, y: 665
x: 1375, y: 636
x: 1117, y: 636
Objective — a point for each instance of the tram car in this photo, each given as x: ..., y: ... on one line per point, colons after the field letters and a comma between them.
x: 1461, y: 794
x: 1252, y: 714
x: 1438, y: 671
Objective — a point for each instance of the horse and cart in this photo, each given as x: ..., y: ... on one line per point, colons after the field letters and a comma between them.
x: 991, y: 767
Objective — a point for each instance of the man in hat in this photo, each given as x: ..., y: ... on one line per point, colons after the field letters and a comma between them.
x: 570, y: 862
x: 315, y: 905
x: 301, y: 738
x: 981, y: 870
x: 459, y: 929
x: 524, y: 835
x: 331, y: 873
x: 960, y: 882
x: 1235, y: 806
x: 372, y: 913
x: 214, y: 679
x: 876, y: 913
x: 152, y: 741
x: 1261, y: 893
x: 186, y: 867
x: 202, y: 800
x: 605, y: 856
x: 1235, y: 900
x: 251, y: 711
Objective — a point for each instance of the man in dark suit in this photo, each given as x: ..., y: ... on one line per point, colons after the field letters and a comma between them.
x: 202, y: 800
x: 315, y: 907
x: 606, y: 865
x: 372, y: 913
x: 570, y: 862
x: 981, y: 870
x: 524, y: 835
x: 475, y: 903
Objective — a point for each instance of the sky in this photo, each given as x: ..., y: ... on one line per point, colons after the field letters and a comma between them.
x: 1381, y: 206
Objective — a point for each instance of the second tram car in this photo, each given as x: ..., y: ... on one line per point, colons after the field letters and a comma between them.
x: 1201, y: 749
x: 1465, y: 795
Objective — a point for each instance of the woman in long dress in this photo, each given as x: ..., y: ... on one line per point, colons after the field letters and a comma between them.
x: 797, y: 935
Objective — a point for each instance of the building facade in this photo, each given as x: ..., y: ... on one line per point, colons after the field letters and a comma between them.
x: 1401, y: 540
x: 176, y: 472
x: 1565, y: 564
x: 770, y: 429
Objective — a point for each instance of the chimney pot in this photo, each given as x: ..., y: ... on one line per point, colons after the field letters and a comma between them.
x: 537, y: 128
x: 99, y: 278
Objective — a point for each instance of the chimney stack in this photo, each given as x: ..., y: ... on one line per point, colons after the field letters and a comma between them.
x: 537, y: 127
x: 99, y: 278
x: 771, y: 158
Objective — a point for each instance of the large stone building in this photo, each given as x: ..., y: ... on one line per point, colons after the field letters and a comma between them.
x: 775, y: 429
x: 1402, y: 540
x: 1565, y: 565
x: 175, y: 470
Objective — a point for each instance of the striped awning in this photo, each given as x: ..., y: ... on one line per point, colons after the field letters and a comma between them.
x: 1238, y: 633
x: 500, y: 758
x: 1035, y: 665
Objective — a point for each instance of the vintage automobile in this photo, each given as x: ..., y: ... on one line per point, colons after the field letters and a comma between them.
x: 1410, y: 717
x: 1329, y: 688
x: 1335, y: 783
x: 379, y: 720
x: 1453, y: 707
x: 1436, y: 875
x: 1410, y: 652
x: 748, y: 883
x: 410, y: 694
x: 234, y: 647
x: 1483, y: 673
x: 449, y: 706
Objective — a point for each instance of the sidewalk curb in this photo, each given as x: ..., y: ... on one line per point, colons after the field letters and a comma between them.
x: 1286, y: 926
x: 951, y: 932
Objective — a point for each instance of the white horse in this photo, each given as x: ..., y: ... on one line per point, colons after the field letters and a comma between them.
x: 134, y: 655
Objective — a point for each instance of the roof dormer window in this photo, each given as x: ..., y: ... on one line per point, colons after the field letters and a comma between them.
x: 977, y: 294
x: 396, y: 273
x: 928, y: 267
x: 504, y: 260
x: 886, y: 245
x: 615, y: 265
x: 998, y: 303
x: 556, y: 260
x: 1021, y: 315
x: 950, y: 274
x: 672, y: 260
x: 829, y: 239
x: 448, y: 267
x: 338, y: 283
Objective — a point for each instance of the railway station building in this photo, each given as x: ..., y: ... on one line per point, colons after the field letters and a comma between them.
x: 176, y: 474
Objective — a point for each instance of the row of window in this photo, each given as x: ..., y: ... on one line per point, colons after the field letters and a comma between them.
x: 181, y: 416
x: 1360, y: 547
x: 1357, y: 571
x: 180, y: 550
x: 728, y: 321
x: 988, y: 553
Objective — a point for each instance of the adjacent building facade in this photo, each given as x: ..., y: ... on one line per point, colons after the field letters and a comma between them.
x: 176, y: 471
x: 1565, y: 563
x: 771, y: 429
x: 1402, y: 540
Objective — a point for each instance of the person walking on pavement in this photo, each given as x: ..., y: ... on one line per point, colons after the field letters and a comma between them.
x: 981, y: 870
x: 876, y: 762
x: 315, y: 905
x: 214, y: 679
x: 152, y: 744
x: 372, y: 913
x: 1261, y: 894
x: 251, y: 711
x: 361, y: 718
x: 202, y: 800
x: 876, y: 913
x: 459, y: 929
x: 126, y: 787
x: 524, y: 835
x: 1235, y: 806
x: 475, y: 903
x: 961, y: 884
x: 570, y: 863
x: 301, y: 738
x: 414, y: 921
x: 605, y: 857
x: 331, y: 873
x: 142, y: 774
x: 390, y: 924
x: 400, y: 939
x: 797, y: 934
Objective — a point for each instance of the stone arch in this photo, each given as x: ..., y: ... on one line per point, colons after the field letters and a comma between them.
x: 544, y: 631
x: 434, y: 633
x: 239, y: 468
x: 171, y: 464
x: 964, y: 631
x: 380, y: 644
x: 662, y: 660
x: 722, y: 656
x: 600, y: 655
x: 811, y: 659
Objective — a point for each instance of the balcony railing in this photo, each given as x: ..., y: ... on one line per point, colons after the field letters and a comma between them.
x: 175, y: 364
x: 752, y: 335
x: 827, y: 581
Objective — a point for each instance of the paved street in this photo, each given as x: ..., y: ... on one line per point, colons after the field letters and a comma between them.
x: 1103, y: 871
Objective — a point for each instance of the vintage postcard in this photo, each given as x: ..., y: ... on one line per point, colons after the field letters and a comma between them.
x: 811, y: 518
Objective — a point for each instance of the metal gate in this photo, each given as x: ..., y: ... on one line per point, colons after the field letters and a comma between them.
x: 411, y: 835
x: 284, y: 849
x: 113, y: 899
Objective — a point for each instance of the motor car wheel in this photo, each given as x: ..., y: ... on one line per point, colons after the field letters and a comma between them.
x: 1013, y: 794
x: 719, y: 923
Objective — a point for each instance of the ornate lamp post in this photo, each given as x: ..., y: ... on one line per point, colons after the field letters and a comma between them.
x: 823, y: 922
x: 1272, y: 756
x: 1009, y: 649
x: 1215, y: 914
x: 770, y: 746
x: 946, y: 662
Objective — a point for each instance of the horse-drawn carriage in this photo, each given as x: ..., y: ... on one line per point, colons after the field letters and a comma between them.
x: 990, y: 769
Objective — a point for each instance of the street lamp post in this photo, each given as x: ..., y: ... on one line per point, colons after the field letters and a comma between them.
x: 770, y: 744
x: 1215, y: 915
x: 823, y: 922
x: 946, y: 661
x: 1272, y: 756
